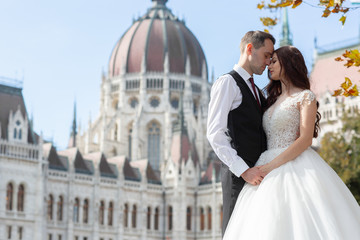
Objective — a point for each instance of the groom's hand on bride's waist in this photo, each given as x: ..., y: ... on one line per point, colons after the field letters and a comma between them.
x: 253, y: 176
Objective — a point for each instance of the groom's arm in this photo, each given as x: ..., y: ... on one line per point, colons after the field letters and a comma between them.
x: 222, y: 96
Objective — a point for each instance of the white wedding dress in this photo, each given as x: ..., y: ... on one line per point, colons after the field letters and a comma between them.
x: 303, y: 199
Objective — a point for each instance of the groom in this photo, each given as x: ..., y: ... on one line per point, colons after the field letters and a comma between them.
x: 234, y: 127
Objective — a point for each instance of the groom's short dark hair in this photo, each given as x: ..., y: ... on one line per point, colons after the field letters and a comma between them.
x: 256, y: 38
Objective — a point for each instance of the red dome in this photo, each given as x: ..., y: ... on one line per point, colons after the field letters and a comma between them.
x: 153, y: 36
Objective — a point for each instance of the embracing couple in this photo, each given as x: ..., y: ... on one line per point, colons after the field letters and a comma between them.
x: 274, y: 185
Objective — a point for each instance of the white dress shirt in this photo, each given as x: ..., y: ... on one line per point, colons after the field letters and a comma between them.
x: 225, y: 96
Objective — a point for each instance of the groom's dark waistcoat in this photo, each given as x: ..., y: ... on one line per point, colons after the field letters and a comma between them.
x: 245, y: 124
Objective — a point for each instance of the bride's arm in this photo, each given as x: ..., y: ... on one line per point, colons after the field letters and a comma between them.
x: 307, y: 123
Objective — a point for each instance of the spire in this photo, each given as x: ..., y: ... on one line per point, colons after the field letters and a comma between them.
x: 286, y: 35
x: 72, y: 142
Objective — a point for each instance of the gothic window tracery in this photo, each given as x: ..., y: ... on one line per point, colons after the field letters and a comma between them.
x: 20, y: 198
x: 76, y: 210
x: 9, y: 196
x: 50, y: 207
x: 60, y: 206
x: 133, y: 216
x: 86, y: 211
x: 101, y: 212
x: 154, y: 144
x: 110, y: 214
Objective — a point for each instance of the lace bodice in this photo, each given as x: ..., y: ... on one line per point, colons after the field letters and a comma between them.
x: 281, y: 121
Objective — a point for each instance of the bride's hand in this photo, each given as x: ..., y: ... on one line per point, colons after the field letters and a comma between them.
x: 265, y: 169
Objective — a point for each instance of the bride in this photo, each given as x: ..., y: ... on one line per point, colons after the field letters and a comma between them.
x: 300, y: 196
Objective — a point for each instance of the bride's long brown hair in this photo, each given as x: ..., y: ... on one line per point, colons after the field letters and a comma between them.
x: 294, y: 70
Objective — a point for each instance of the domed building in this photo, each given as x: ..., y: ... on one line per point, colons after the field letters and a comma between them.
x: 155, y: 65
x: 142, y: 170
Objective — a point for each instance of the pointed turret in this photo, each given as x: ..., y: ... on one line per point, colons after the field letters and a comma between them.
x: 286, y: 35
x: 72, y: 141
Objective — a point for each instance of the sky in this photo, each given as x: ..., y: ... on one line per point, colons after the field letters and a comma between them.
x: 59, y: 49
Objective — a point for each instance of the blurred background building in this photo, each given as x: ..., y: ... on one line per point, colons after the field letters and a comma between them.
x: 143, y: 169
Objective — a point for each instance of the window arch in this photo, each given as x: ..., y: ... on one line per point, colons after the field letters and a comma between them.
x: 126, y: 214
x: 101, y: 212
x: 20, y: 198
x: 115, y: 132
x: 50, y: 207
x: 170, y: 218
x: 209, y: 218
x: 133, y: 216
x: 202, y: 219
x: 86, y: 211
x: 148, y: 218
x: 156, y: 219
x: 9, y: 196
x: 154, y: 144
x: 188, y: 218
x: 76, y: 210
x: 19, y: 134
x: 15, y: 133
x: 60, y: 206
x: 110, y: 214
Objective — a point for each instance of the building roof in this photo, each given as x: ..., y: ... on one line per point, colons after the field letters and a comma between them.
x: 151, y: 39
x: 11, y: 99
x: 328, y: 74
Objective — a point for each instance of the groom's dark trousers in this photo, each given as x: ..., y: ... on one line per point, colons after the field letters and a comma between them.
x: 247, y: 138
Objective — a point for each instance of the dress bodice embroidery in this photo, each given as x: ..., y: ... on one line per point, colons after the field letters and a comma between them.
x: 281, y: 121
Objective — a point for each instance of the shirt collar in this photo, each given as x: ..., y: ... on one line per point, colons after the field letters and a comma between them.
x: 242, y: 72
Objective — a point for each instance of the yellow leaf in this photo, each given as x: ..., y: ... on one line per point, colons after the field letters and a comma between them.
x: 326, y: 12
x: 296, y: 3
x: 273, y: 1
x: 331, y: 3
x: 342, y: 20
x: 349, y: 63
x: 354, y: 91
x: 260, y: 6
x: 339, y: 59
x: 337, y: 92
x: 266, y: 30
x: 345, y: 85
x: 285, y: 4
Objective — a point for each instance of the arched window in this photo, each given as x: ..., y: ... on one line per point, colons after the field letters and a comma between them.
x: 156, y: 219
x: 170, y: 216
x: 60, y: 206
x: 126, y: 215
x: 9, y: 196
x: 154, y: 145
x: 115, y: 132
x: 110, y: 214
x: 15, y: 133
x: 19, y: 133
x: 101, y: 212
x: 86, y: 211
x: 148, y: 219
x: 133, y: 217
x: 202, y: 219
x: 209, y: 218
x: 50, y: 207
x: 20, y: 198
x: 76, y: 210
x: 188, y: 218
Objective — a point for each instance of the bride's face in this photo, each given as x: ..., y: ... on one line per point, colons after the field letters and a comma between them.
x: 275, y: 68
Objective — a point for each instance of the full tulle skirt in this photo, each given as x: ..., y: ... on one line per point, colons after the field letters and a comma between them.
x: 303, y: 199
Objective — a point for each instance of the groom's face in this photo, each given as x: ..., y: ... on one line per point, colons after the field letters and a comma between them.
x: 260, y: 58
